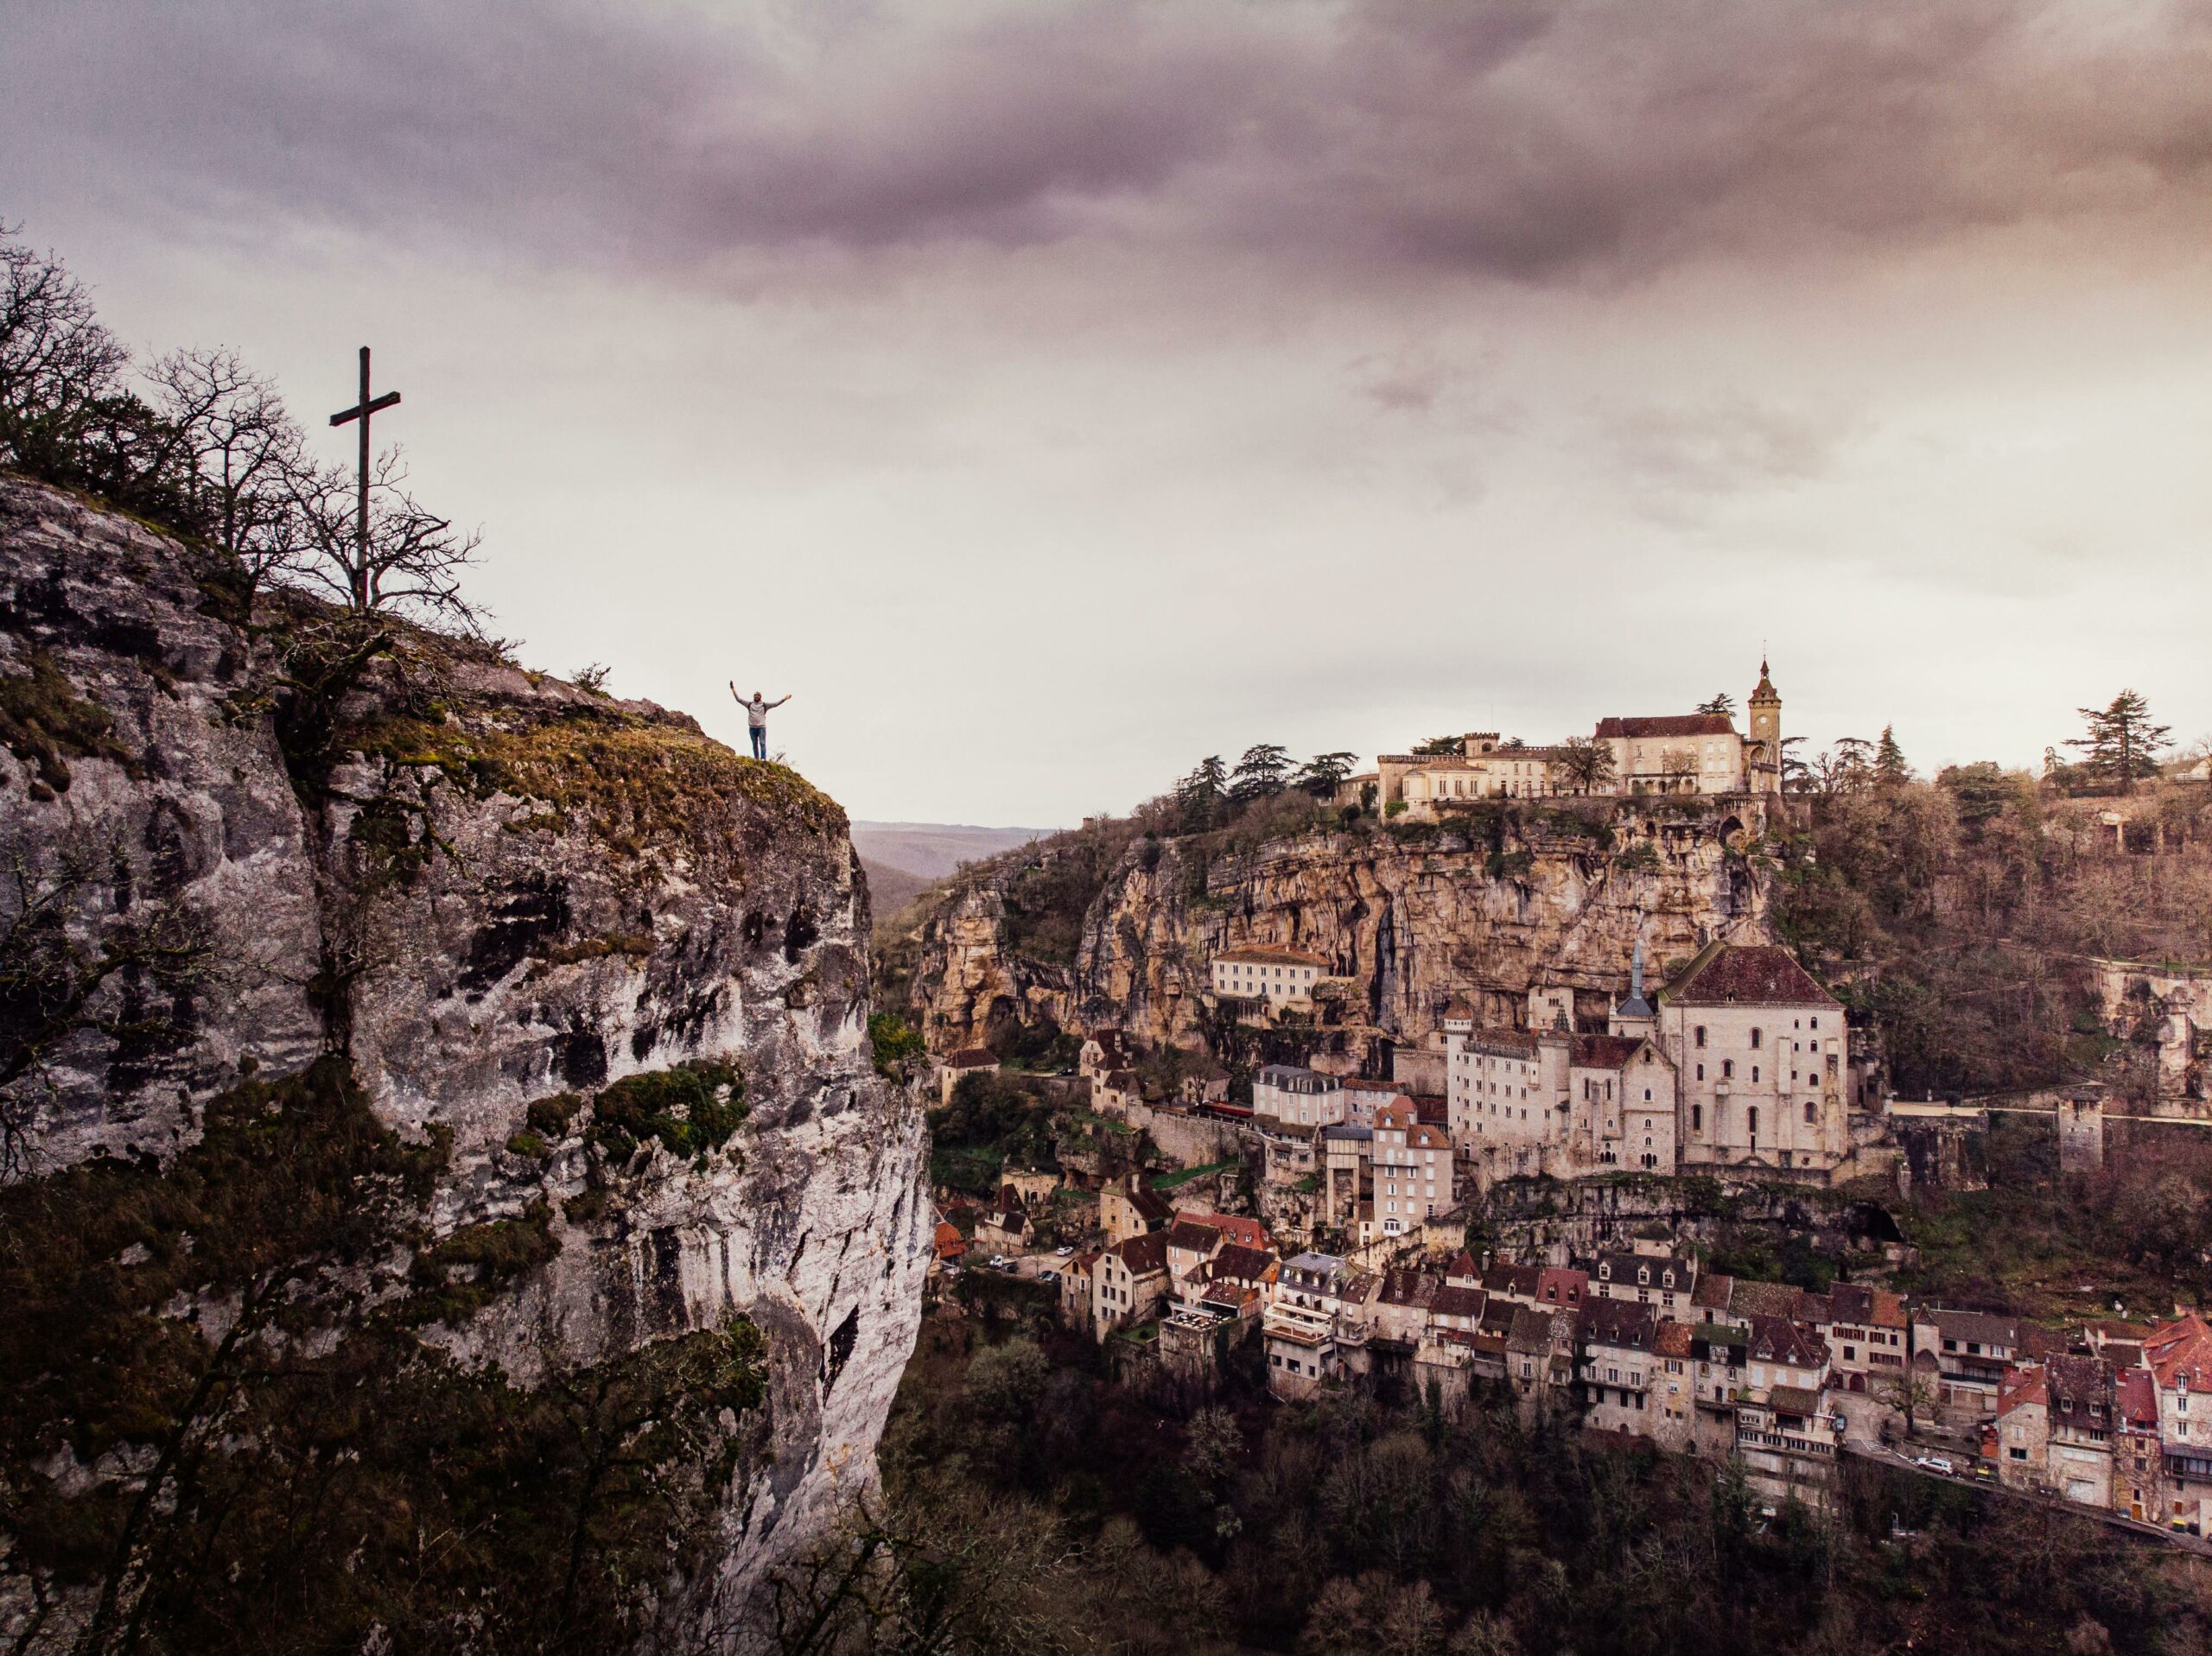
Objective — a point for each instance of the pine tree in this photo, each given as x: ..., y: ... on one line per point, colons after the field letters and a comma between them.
x: 1889, y: 766
x: 1321, y: 775
x: 2119, y: 744
x: 1724, y: 704
x: 1261, y: 771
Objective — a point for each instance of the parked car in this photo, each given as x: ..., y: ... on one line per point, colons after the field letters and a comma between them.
x: 998, y: 1261
x: 1048, y: 1276
x: 1064, y: 1252
x: 1933, y: 1463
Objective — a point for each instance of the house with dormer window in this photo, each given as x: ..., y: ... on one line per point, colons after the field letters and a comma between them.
x: 1664, y: 1281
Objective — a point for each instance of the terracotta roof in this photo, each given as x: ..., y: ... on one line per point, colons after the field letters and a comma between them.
x: 1750, y: 974
x: 1195, y: 1239
x: 1670, y: 724
x: 1714, y: 1291
x: 951, y: 1244
x: 1435, y: 1112
x: 2139, y: 1399
x: 1149, y: 1203
x: 1672, y: 1340
x: 1246, y: 1232
x: 2181, y: 1351
x: 1362, y: 1084
x: 1257, y: 955
x: 1425, y: 1137
x: 1081, y: 1263
x: 1557, y: 1285
x: 1462, y: 1267
x: 2021, y: 1388
x: 971, y: 1057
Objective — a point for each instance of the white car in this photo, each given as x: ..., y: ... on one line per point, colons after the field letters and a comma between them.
x: 998, y: 1261
x: 1063, y: 1253
x: 1933, y: 1463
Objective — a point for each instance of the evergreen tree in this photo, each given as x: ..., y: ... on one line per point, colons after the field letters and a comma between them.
x: 1440, y: 747
x: 1724, y: 704
x: 1261, y: 771
x: 1889, y: 766
x: 1321, y: 775
x: 2119, y: 744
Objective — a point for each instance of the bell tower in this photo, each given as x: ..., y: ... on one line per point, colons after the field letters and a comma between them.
x: 1763, y: 751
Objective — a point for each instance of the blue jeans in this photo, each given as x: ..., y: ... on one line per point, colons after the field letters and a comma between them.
x: 759, y: 741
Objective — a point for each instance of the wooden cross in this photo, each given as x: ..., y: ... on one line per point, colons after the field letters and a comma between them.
x: 361, y: 411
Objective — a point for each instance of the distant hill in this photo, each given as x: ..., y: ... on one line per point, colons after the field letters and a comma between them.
x: 902, y: 859
x: 932, y: 850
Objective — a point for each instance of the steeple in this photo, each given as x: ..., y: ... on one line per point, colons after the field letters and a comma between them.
x: 1763, y: 750
x: 1634, y: 1016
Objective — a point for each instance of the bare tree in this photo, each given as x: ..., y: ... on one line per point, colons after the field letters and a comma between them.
x: 414, y: 559
x: 57, y: 363
x: 236, y: 446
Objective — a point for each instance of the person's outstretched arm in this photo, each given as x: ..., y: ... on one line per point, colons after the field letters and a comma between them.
x: 781, y: 702
x: 733, y: 689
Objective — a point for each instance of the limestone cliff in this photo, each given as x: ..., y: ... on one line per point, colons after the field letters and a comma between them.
x: 236, y: 850
x: 1480, y: 907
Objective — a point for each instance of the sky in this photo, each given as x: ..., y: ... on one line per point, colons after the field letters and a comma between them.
x: 1050, y: 394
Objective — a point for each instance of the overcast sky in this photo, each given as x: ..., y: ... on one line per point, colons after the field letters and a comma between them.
x: 1051, y: 395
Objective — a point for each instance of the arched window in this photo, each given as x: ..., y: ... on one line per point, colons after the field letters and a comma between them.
x: 1751, y: 1120
x: 1701, y: 1035
x: 1727, y: 1069
x: 1755, y: 1040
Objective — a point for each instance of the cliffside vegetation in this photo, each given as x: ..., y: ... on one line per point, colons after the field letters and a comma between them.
x: 1957, y: 917
x: 1034, y: 1504
x: 221, y: 1418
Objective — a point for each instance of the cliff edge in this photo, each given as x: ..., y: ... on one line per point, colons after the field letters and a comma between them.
x: 535, y: 1024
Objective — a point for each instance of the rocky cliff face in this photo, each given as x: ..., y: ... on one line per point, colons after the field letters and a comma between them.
x: 235, y: 849
x: 1523, y: 892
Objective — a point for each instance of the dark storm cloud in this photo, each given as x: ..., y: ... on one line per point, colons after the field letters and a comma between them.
x: 1531, y: 141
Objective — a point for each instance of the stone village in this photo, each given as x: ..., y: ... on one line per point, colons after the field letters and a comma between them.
x: 1737, y: 1069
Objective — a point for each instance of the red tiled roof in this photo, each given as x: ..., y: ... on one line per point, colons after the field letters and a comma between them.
x: 1671, y: 724
x: 1754, y: 974
x: 2139, y: 1399
x: 1557, y: 1285
x: 2180, y: 1349
x: 1246, y: 1232
x: 1672, y: 1340
x: 971, y: 1057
